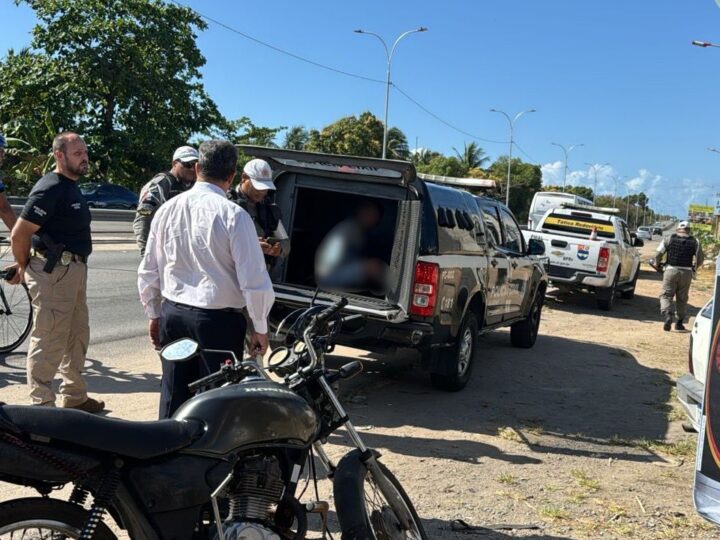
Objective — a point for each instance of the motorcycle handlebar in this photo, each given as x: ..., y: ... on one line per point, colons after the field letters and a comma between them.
x: 209, y: 379
x: 326, y: 314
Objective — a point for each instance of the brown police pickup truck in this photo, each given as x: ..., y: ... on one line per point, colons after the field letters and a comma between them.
x: 457, y: 264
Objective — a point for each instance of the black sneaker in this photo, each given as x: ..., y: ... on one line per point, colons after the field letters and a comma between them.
x: 679, y: 326
x: 668, y: 323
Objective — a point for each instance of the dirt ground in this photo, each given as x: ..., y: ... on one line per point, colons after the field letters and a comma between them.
x: 579, y: 437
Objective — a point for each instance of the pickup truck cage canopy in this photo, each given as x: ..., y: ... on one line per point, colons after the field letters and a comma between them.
x: 376, y: 170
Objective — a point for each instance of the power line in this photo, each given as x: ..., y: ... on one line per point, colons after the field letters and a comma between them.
x: 275, y: 48
x: 448, y: 124
x: 336, y: 70
x: 524, y: 152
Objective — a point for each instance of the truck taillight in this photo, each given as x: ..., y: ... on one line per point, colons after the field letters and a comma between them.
x: 603, y: 259
x: 425, y: 289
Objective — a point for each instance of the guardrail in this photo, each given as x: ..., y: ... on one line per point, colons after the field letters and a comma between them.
x: 98, y: 214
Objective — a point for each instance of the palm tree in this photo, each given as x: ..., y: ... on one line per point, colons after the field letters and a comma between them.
x: 296, y: 138
x: 472, y: 157
x: 397, y: 144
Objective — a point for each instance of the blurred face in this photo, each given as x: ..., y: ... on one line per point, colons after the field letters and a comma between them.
x: 184, y: 171
x: 73, y: 161
x: 255, y: 195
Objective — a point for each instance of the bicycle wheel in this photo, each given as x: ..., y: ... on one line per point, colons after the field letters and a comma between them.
x: 16, y: 313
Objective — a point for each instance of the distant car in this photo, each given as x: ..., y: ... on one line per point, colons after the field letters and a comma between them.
x: 644, y: 233
x: 107, y: 195
x: 691, y: 386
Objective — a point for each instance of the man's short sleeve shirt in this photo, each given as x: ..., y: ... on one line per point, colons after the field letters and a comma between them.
x: 59, y: 208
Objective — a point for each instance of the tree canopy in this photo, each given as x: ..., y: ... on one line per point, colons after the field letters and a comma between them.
x: 123, y: 73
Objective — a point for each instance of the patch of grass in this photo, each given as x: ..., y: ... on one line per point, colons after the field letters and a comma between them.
x: 553, y: 512
x: 683, y: 448
x: 507, y: 478
x: 509, y: 434
x: 584, y: 481
x: 551, y: 488
x: 577, y: 498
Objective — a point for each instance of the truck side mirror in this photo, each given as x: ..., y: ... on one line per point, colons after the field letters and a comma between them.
x: 536, y: 247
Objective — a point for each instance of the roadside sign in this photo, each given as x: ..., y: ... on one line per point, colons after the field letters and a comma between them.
x: 707, y: 463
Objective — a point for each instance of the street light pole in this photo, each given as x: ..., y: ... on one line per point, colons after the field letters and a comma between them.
x: 595, y: 168
x: 566, y: 159
x: 627, y: 207
x: 616, y: 178
x: 511, y: 121
x: 389, y: 55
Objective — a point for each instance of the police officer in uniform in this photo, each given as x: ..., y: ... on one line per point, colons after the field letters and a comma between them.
x: 163, y: 187
x: 683, y: 257
x: 51, y: 243
x: 251, y: 194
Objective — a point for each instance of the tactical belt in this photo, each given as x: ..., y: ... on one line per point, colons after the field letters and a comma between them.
x: 64, y: 259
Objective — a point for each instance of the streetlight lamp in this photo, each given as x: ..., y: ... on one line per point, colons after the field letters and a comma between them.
x: 566, y: 159
x: 389, y: 56
x: 595, y: 168
x: 704, y: 44
x: 511, y: 121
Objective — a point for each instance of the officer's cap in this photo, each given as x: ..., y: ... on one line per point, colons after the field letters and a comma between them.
x: 260, y: 174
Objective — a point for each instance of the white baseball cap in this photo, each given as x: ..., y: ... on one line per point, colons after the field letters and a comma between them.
x: 683, y: 225
x: 260, y: 174
x: 185, y: 154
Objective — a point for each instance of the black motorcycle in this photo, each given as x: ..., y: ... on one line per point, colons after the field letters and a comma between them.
x: 233, y: 463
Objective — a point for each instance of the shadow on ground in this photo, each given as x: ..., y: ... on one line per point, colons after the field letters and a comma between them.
x: 100, y: 379
x: 584, y: 395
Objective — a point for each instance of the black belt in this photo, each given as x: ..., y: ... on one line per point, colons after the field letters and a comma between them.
x: 65, y: 258
x: 208, y: 310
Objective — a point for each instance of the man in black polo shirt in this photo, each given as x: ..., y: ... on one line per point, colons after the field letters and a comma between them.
x: 55, y: 225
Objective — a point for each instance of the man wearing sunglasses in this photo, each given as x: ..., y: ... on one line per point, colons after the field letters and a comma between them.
x: 163, y: 187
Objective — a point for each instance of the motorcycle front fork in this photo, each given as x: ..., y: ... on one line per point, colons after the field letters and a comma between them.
x: 384, y: 485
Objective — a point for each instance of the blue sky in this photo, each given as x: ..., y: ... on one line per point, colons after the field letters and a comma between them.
x: 618, y: 76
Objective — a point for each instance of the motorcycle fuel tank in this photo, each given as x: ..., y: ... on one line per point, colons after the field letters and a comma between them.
x: 254, y: 412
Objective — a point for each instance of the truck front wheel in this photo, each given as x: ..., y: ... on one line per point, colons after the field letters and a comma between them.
x: 458, y: 360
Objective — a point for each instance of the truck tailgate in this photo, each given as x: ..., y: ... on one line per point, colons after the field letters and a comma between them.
x: 568, y: 252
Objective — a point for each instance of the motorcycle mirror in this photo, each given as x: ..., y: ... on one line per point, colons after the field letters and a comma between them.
x: 180, y: 350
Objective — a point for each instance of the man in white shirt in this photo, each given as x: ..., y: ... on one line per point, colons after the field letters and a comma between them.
x: 202, y: 266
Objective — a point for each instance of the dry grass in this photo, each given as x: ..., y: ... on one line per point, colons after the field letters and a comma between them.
x: 507, y: 478
x: 585, y: 481
x: 509, y: 434
x: 553, y: 512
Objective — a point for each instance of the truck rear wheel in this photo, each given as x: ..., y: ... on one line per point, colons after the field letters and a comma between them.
x: 458, y: 360
x: 606, y: 296
x: 523, y: 334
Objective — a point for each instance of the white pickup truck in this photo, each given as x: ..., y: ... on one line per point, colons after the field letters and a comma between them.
x: 589, y: 249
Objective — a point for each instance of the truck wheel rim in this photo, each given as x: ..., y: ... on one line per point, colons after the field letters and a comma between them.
x: 465, y: 351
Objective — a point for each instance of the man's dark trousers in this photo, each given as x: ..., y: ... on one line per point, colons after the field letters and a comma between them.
x: 212, y: 329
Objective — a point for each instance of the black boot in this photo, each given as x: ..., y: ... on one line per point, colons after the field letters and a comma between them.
x: 668, y: 322
x: 679, y: 326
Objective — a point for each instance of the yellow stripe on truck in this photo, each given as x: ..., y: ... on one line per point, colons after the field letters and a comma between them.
x: 564, y: 222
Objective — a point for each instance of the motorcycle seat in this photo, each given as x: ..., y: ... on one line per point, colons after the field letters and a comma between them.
x: 138, y: 440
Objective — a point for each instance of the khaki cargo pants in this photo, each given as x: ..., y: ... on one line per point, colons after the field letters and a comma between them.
x: 60, y: 333
x: 676, y: 283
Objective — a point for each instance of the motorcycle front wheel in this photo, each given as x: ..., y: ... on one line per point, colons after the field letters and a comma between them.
x: 364, y: 509
x: 38, y: 518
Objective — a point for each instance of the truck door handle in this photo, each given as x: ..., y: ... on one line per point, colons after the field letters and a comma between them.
x: 514, y: 265
x: 494, y: 263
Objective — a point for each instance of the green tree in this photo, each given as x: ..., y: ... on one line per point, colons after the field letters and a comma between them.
x: 525, y: 181
x: 296, y: 138
x: 357, y: 136
x: 423, y: 156
x: 444, y: 166
x: 123, y: 73
x: 472, y: 156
